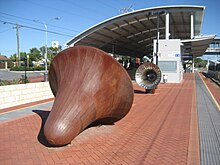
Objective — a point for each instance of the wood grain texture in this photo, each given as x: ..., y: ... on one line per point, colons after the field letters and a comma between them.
x: 89, y: 85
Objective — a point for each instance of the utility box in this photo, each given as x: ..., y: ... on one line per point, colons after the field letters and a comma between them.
x: 170, y: 59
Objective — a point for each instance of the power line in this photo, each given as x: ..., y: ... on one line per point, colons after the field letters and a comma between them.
x: 105, y: 4
x: 6, y: 30
x: 33, y: 28
x: 15, y: 16
x: 31, y: 20
x: 59, y: 9
x: 85, y: 8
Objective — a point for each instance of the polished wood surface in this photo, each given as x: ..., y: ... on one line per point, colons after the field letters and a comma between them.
x: 89, y: 86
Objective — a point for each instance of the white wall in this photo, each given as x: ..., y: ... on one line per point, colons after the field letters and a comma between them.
x: 12, y: 95
x: 170, y: 51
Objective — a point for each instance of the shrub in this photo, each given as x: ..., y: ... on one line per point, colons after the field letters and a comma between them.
x: 38, y: 68
x: 11, y: 82
x: 22, y: 68
x: 17, y: 68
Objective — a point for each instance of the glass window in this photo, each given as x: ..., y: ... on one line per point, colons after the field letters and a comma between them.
x: 212, y: 45
x: 167, y: 66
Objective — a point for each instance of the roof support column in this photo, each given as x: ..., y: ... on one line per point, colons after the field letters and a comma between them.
x: 167, y: 25
x: 192, y: 25
x: 113, y: 48
x: 158, y: 37
x: 192, y: 35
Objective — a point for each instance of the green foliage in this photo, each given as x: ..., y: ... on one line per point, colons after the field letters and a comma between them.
x: 13, y: 57
x: 36, y: 54
x: 38, y: 68
x: 10, y: 82
x: 17, y: 68
x: 24, y: 80
x: 23, y: 68
x: 200, y: 63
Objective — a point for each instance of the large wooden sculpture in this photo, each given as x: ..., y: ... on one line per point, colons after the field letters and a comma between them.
x: 89, y: 85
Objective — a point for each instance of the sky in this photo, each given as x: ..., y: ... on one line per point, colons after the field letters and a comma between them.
x: 75, y: 17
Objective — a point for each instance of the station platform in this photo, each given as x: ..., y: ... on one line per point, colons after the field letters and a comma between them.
x: 178, y: 125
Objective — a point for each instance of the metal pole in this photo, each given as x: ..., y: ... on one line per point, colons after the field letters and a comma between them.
x: 192, y: 25
x: 18, y: 46
x: 25, y: 66
x: 167, y: 26
x: 158, y: 24
x: 45, y: 55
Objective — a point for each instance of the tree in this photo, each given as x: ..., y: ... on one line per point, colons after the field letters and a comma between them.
x: 14, y: 57
x: 42, y: 50
x: 35, y: 54
x: 52, y: 51
x: 200, y: 63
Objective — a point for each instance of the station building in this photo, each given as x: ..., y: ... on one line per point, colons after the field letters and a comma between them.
x: 213, y: 51
x: 169, y: 35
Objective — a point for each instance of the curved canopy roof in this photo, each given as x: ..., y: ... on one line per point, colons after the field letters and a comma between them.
x: 198, y: 45
x: 133, y: 33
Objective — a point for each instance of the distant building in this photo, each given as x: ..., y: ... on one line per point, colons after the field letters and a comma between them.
x: 4, y: 62
x: 213, y: 51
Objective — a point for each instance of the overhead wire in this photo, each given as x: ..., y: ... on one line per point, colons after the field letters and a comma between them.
x: 33, y: 21
x: 105, y: 4
x: 6, y: 30
x: 16, y: 16
x: 34, y: 28
x: 53, y: 8
x: 59, y: 9
x: 82, y: 7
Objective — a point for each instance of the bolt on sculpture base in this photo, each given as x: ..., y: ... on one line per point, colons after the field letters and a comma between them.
x: 89, y: 85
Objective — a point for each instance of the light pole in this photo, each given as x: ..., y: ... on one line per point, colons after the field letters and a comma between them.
x: 45, y: 54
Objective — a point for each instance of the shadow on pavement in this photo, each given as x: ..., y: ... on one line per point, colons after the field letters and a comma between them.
x: 139, y: 92
x: 41, y: 138
x: 44, y: 115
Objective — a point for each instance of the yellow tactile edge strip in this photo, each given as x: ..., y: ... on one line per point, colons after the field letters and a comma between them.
x: 210, y: 93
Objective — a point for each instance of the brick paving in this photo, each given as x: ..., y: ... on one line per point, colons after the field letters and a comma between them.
x: 159, y: 129
x: 36, y: 79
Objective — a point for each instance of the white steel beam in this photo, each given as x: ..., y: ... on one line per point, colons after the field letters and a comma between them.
x: 167, y: 26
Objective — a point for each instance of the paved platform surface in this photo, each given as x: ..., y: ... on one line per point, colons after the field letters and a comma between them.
x: 20, y: 112
x: 209, y: 123
x: 159, y: 129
